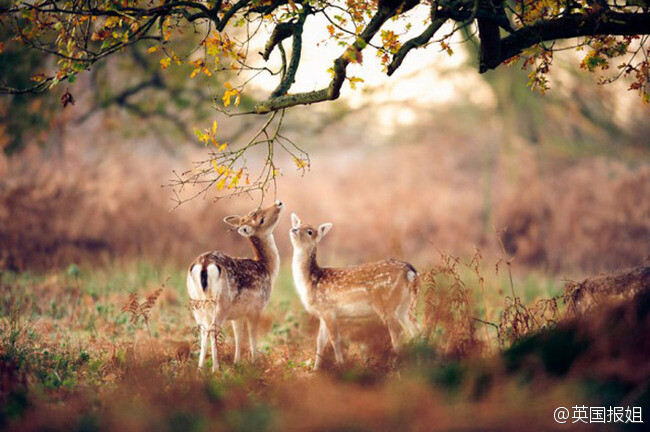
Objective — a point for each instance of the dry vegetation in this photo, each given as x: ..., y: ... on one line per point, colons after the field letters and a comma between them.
x: 115, y: 350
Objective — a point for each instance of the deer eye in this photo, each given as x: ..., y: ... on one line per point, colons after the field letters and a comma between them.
x: 310, y: 232
x: 262, y: 221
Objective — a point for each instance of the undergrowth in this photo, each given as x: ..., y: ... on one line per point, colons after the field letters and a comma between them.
x: 83, y: 351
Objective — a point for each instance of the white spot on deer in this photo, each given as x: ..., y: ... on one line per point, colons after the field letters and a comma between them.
x: 411, y: 275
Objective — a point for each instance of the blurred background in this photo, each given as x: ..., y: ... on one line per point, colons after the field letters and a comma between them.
x: 436, y: 158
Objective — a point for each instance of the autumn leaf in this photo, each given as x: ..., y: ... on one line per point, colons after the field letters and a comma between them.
x: 164, y: 63
x: 67, y: 99
x: 354, y: 81
x: 100, y: 35
x: 39, y: 77
x: 230, y: 92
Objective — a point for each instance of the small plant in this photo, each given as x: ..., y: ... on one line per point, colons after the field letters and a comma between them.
x: 141, y: 310
x: 448, y: 307
x: 518, y: 320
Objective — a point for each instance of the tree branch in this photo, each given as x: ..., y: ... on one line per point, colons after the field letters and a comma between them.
x: 289, y: 77
x: 416, y: 42
x: 332, y: 92
x: 569, y: 26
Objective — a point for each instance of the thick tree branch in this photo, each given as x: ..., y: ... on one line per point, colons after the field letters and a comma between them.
x: 569, y: 26
x: 289, y: 76
x: 280, y: 33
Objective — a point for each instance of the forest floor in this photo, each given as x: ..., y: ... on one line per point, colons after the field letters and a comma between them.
x: 74, y: 357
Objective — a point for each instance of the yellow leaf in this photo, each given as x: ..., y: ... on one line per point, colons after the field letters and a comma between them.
x: 222, y: 147
x: 164, y: 63
x: 214, y: 127
x: 40, y: 77
x: 153, y: 49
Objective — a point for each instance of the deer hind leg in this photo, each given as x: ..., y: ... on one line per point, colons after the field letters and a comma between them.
x: 238, y: 330
x: 321, y: 343
x: 204, y: 343
x: 332, y: 328
x: 215, y: 329
x: 390, y: 317
x: 406, y: 320
x: 201, y: 321
x: 253, y: 324
x: 395, y: 330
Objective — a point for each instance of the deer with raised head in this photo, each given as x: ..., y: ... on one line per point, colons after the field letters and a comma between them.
x: 236, y: 289
x: 386, y: 288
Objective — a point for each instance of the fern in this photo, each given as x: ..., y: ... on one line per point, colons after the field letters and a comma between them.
x: 141, y: 310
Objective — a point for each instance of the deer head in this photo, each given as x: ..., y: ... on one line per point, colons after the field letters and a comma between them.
x: 305, y: 237
x: 258, y: 223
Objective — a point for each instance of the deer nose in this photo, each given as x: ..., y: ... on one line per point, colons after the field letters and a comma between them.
x: 279, y: 204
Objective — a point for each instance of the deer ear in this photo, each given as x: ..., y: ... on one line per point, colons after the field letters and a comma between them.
x: 324, y: 229
x: 295, y: 220
x: 233, y: 221
x: 245, y: 230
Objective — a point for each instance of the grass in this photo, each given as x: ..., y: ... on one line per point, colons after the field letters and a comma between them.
x: 71, y: 358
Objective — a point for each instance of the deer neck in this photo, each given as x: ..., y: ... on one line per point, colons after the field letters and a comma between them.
x: 306, y: 266
x: 266, y: 252
x: 305, y: 271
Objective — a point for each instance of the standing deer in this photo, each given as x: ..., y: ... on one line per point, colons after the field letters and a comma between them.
x: 387, y: 288
x: 237, y: 289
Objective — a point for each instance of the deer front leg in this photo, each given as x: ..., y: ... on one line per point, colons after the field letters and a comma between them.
x: 253, y: 323
x: 321, y: 342
x: 238, y: 330
x: 335, y: 337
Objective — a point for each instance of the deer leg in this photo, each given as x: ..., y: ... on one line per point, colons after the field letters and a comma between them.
x: 200, y: 318
x: 238, y: 330
x: 321, y: 343
x: 395, y: 330
x: 335, y: 338
x: 253, y: 322
x: 215, y: 328
x: 204, y: 342
x: 407, y: 321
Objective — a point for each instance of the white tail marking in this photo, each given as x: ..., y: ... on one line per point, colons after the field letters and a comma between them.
x: 411, y: 275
